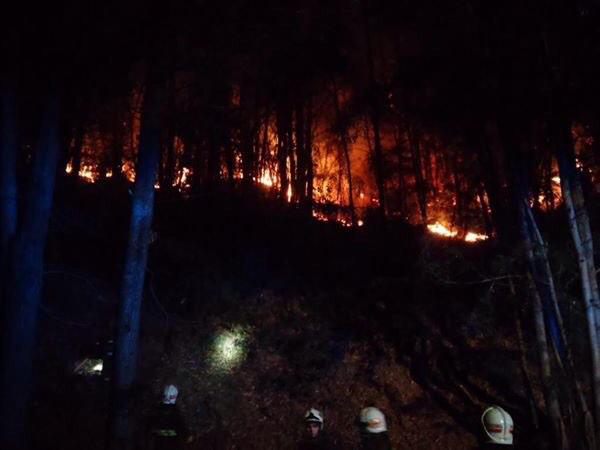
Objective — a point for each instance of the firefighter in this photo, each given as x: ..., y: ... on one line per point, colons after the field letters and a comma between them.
x: 374, y: 430
x: 314, y: 438
x: 497, y: 427
x: 166, y: 428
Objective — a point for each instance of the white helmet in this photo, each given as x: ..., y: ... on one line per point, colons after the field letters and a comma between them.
x: 170, y: 395
x: 497, y: 425
x: 374, y: 420
x: 314, y: 415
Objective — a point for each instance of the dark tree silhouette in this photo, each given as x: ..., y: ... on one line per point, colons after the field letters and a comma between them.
x: 8, y: 174
x: 128, y: 322
x: 24, y: 283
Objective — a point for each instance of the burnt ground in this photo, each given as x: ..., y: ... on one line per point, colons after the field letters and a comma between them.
x: 328, y: 317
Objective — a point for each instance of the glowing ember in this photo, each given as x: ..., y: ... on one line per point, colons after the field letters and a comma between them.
x: 320, y: 216
x: 289, y: 193
x: 344, y: 221
x: 69, y: 167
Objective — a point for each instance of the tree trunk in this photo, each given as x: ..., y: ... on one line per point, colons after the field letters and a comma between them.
x: 308, y: 141
x: 525, y: 370
x: 25, y: 284
x: 550, y: 394
x: 374, y: 114
x: 214, y: 157
x: 8, y: 176
x: 459, y: 208
x: 300, y: 186
x: 540, y: 313
x: 249, y: 157
x: 541, y: 281
x: 128, y: 324
x: 582, y: 238
x: 171, y: 161
x: 418, y: 171
x: 116, y: 160
x: 490, y: 157
x: 489, y: 227
x: 168, y: 178
x: 229, y: 155
x: 343, y: 133
x: 76, y: 151
x: 283, y: 149
x: 398, y: 133
x: 554, y: 318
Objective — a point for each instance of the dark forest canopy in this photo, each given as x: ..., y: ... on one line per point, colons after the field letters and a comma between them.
x: 474, y: 120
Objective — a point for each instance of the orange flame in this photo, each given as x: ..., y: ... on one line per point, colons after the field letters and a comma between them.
x: 440, y: 229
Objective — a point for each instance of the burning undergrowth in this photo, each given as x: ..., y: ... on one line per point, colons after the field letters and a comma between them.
x: 246, y: 377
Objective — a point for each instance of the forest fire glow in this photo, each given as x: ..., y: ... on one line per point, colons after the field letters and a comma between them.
x: 440, y: 229
x: 182, y: 179
x: 86, y: 173
x: 266, y: 179
x: 475, y: 237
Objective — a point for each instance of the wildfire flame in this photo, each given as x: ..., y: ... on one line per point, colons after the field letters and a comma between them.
x: 442, y: 230
x: 474, y: 237
x: 85, y: 172
x: 266, y: 179
x: 556, y: 194
x: 182, y: 178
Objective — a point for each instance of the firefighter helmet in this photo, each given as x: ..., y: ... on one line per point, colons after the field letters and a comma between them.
x: 170, y: 394
x: 315, y: 416
x: 373, y: 419
x: 497, y: 425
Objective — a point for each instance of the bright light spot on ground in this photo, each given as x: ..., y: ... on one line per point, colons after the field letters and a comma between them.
x: 229, y: 349
x: 89, y: 366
